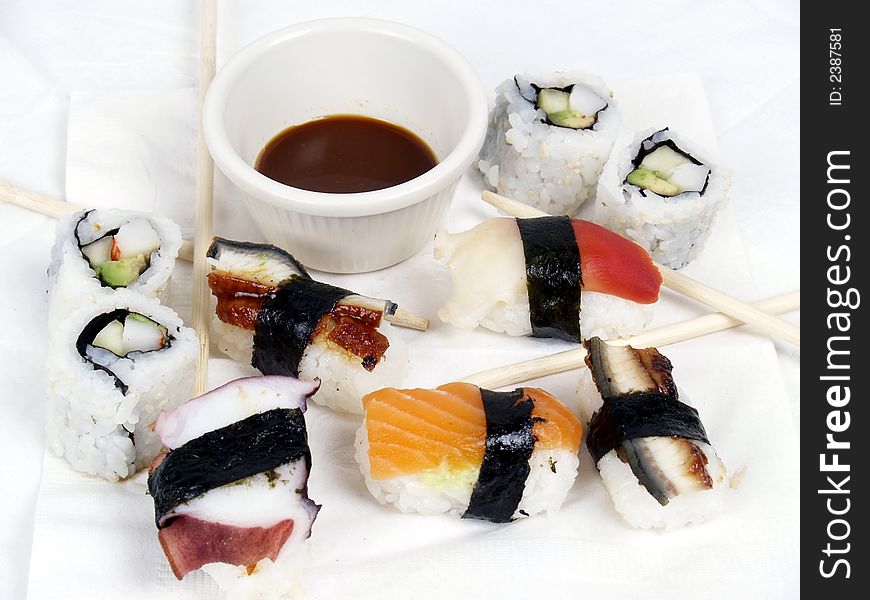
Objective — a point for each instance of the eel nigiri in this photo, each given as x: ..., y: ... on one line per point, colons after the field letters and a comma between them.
x: 651, y: 448
x: 529, y: 276
x: 271, y: 314
x: 232, y: 485
x: 496, y: 456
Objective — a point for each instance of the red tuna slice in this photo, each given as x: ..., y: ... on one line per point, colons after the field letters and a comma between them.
x: 614, y: 265
x: 190, y: 543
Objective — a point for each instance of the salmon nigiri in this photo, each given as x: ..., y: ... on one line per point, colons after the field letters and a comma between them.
x: 496, y: 456
x: 548, y: 277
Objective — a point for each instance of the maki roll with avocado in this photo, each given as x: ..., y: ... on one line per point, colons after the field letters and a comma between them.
x: 113, y: 365
x: 97, y: 251
x: 549, y: 136
x: 271, y: 314
x: 662, y: 192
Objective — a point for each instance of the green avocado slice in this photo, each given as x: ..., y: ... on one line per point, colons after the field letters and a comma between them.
x: 121, y: 272
x: 649, y: 180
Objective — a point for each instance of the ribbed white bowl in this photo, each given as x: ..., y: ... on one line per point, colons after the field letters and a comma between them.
x: 346, y: 66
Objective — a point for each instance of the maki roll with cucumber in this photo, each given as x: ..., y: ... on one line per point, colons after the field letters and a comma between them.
x: 549, y: 136
x: 649, y: 445
x: 97, y: 251
x: 271, y: 314
x: 662, y: 192
x: 113, y: 365
x: 547, y: 277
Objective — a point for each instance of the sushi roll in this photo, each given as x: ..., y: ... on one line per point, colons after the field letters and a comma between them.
x: 549, y: 136
x: 547, y: 277
x: 663, y: 193
x: 230, y: 489
x: 271, y: 314
x: 495, y: 456
x: 113, y: 365
x: 650, y: 447
x: 96, y: 251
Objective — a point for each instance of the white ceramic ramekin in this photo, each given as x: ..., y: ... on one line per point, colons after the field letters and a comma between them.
x: 346, y: 66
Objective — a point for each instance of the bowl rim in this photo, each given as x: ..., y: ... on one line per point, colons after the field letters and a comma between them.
x: 447, y: 171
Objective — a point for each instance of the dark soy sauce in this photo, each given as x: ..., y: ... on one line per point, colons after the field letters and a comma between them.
x: 343, y: 154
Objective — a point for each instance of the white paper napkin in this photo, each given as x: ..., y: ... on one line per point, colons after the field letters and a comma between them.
x: 97, y: 539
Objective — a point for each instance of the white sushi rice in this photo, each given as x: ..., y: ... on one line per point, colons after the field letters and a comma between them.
x: 343, y: 380
x: 552, y: 168
x: 640, y: 509
x: 487, y: 267
x: 270, y: 580
x: 74, y: 283
x: 436, y: 492
x: 90, y: 422
x: 672, y: 229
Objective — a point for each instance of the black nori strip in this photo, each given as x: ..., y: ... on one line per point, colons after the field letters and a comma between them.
x: 553, y: 276
x: 218, y: 244
x: 640, y: 415
x: 254, y: 445
x: 643, y: 152
x: 286, y: 322
x: 505, y: 468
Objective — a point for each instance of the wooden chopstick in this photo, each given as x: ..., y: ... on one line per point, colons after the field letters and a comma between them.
x: 204, y: 199
x: 680, y: 283
x: 661, y: 336
x: 56, y: 209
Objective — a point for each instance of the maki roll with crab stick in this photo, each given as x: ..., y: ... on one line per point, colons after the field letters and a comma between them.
x: 650, y: 447
x: 476, y: 453
x: 548, y: 139
x: 230, y: 489
x: 547, y: 277
x: 113, y: 365
x: 663, y: 193
x: 96, y: 251
x: 271, y: 314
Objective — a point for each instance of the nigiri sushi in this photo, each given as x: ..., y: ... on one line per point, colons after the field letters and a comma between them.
x: 547, y: 277
x: 651, y: 448
x: 231, y: 488
x: 496, y: 456
x: 271, y: 314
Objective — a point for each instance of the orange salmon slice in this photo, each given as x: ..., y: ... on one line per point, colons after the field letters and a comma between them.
x: 412, y: 431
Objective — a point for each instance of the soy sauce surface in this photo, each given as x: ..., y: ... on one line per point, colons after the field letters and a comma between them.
x: 345, y: 154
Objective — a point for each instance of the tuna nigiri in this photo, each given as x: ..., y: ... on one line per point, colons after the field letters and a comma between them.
x: 496, y: 456
x: 548, y: 277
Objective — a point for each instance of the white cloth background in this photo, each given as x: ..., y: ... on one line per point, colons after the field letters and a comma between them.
x: 68, y: 67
